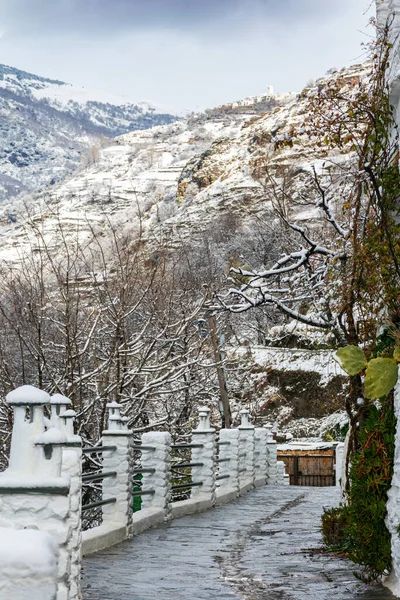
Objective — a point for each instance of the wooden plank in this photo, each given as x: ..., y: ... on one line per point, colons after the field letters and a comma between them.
x: 309, y: 468
x: 306, y: 455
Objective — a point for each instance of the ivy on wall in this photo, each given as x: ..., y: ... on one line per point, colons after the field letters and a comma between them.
x: 357, y: 528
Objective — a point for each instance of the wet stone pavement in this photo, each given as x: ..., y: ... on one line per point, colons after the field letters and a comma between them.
x: 259, y: 547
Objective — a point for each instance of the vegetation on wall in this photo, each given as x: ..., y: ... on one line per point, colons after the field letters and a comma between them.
x: 357, y: 528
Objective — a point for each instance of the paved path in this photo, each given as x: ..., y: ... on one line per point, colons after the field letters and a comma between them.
x: 256, y: 548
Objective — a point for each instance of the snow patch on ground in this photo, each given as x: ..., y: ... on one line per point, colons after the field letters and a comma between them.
x: 293, y: 359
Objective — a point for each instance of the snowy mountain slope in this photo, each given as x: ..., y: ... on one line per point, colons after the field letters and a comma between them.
x: 47, y: 127
x: 181, y: 178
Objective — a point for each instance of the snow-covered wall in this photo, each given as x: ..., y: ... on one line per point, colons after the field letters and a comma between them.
x: 393, y: 505
x: 28, y: 565
x: 388, y: 12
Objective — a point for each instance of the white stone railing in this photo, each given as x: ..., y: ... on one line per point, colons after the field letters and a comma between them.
x: 42, y: 488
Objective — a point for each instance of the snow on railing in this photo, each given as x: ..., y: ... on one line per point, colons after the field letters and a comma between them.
x: 42, y: 488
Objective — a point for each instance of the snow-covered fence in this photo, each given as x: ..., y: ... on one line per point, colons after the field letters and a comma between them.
x: 42, y: 488
x: 202, y: 465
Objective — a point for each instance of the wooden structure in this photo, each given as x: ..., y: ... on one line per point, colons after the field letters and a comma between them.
x: 310, y: 467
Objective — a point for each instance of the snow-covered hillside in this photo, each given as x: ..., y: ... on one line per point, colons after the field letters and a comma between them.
x: 177, y: 179
x: 48, y: 126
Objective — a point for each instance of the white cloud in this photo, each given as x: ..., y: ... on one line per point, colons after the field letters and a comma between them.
x: 196, y: 67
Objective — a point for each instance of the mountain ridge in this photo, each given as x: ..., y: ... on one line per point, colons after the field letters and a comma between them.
x: 177, y: 181
x: 47, y: 127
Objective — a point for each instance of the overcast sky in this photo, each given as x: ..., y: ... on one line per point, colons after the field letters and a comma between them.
x: 183, y: 54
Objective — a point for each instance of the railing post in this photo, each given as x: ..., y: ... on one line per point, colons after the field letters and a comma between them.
x: 272, y: 456
x: 281, y: 473
x: 204, y: 436
x: 72, y: 466
x: 118, y: 514
x: 156, y: 464
x: 228, y: 466
x: 246, y: 452
x: 260, y: 456
x: 58, y: 405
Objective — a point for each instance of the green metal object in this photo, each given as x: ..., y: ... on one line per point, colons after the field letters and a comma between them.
x: 137, y: 500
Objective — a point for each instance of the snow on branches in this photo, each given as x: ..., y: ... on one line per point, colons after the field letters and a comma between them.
x: 340, y: 271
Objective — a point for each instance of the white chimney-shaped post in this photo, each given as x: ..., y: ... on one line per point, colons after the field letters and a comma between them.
x: 67, y: 424
x: 28, y: 403
x: 156, y: 461
x: 59, y: 404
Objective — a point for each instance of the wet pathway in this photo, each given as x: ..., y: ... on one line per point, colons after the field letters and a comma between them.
x: 256, y: 548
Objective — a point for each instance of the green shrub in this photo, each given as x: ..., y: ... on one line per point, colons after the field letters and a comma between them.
x: 358, y: 528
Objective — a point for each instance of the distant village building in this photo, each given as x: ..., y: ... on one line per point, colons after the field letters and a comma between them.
x: 251, y: 100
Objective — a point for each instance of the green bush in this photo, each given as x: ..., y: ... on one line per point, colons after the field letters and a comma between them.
x: 358, y: 528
